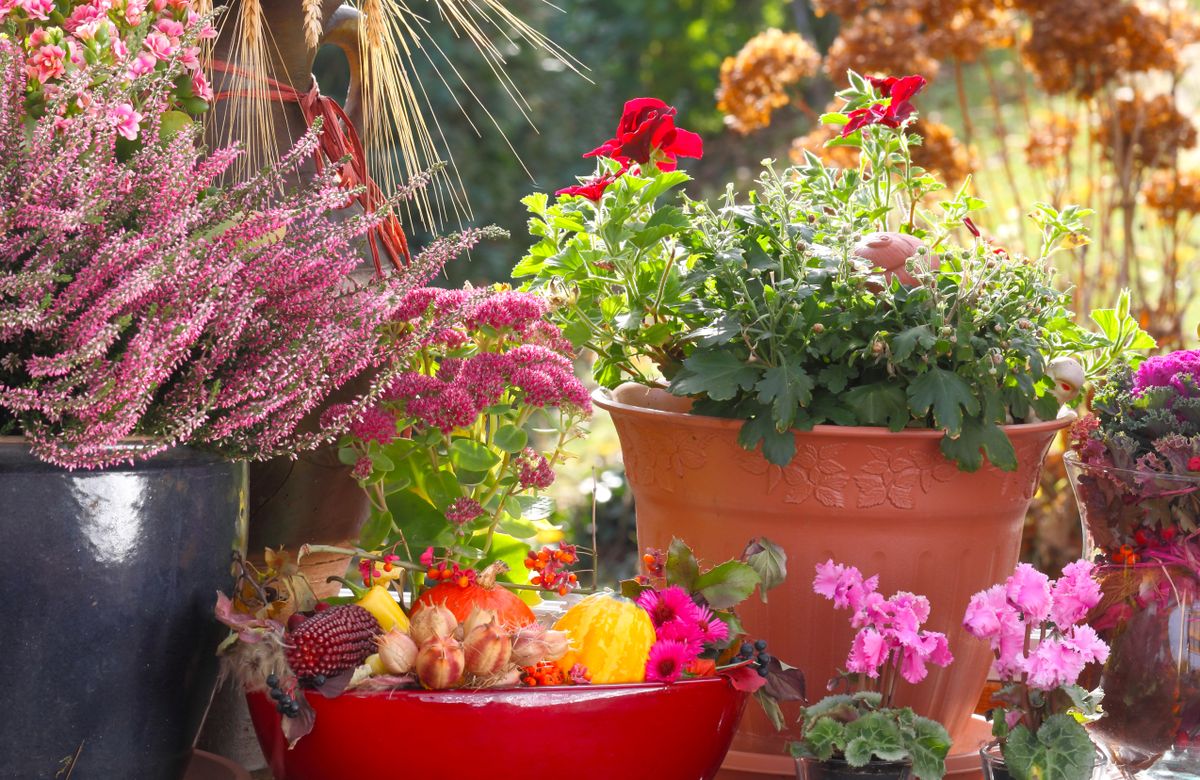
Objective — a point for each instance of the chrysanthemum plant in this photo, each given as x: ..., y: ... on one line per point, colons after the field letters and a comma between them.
x: 862, y: 724
x: 456, y: 454
x: 147, y: 305
x: 696, y: 628
x: 132, y: 41
x: 1034, y: 627
x: 762, y: 309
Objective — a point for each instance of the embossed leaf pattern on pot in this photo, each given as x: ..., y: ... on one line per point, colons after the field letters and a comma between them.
x: 813, y: 472
x: 654, y: 458
x: 893, y: 477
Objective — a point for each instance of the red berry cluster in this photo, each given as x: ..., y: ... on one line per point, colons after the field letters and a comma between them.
x: 543, y: 674
x: 654, y: 562
x: 445, y: 571
x: 550, y: 568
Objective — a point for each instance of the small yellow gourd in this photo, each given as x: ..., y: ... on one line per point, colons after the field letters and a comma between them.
x: 610, y: 635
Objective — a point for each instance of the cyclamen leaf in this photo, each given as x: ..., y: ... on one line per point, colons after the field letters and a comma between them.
x: 928, y: 748
x: 874, y: 734
x: 717, y: 374
x: 824, y: 738
x: 945, y: 393
x: 1061, y: 750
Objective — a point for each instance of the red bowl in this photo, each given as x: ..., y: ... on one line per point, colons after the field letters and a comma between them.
x: 594, y: 732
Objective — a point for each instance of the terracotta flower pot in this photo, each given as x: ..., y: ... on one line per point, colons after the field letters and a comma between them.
x: 586, y: 732
x: 889, y: 503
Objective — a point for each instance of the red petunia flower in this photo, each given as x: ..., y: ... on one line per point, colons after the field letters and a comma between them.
x: 648, y: 125
x: 900, y: 90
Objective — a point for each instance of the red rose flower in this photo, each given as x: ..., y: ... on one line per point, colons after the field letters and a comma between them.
x: 594, y: 188
x: 648, y: 125
x: 900, y: 90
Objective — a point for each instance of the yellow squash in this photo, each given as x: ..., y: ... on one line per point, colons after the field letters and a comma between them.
x: 610, y: 635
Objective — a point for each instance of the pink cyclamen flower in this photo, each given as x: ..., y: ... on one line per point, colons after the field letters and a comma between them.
x: 1085, y: 641
x: 986, y: 612
x: 1029, y: 591
x: 160, y: 45
x: 48, y: 62
x: 673, y: 603
x: 1074, y: 594
x: 844, y: 585
x: 37, y: 9
x: 667, y: 661
x: 126, y: 120
x: 867, y: 653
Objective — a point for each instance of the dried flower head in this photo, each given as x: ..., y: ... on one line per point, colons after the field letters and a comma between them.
x: 1173, y: 193
x: 755, y: 82
x: 1050, y: 140
x: 1143, y: 133
x: 880, y: 43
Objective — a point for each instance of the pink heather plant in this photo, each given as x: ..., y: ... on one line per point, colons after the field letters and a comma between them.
x: 139, y: 299
x: 889, y: 643
x: 1033, y: 626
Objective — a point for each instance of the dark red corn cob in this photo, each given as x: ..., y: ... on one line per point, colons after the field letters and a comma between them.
x: 332, y: 641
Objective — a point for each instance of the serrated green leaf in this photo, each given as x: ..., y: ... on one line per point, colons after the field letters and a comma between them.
x: 682, y: 567
x: 873, y: 734
x: 907, y: 341
x: 881, y: 403
x: 785, y: 389
x: 717, y: 374
x: 928, y: 747
x: 945, y: 393
x: 824, y: 738
x: 1061, y: 750
x: 728, y: 584
x: 770, y: 561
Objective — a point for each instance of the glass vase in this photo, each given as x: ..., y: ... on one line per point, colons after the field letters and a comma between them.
x: 1138, y: 526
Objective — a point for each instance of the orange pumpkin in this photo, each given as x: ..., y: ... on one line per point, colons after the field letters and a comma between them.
x: 483, y: 593
x: 610, y: 635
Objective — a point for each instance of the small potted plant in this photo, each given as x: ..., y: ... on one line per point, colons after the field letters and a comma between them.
x: 861, y: 733
x: 826, y: 346
x: 1041, y: 648
x: 1135, y: 467
x: 470, y: 667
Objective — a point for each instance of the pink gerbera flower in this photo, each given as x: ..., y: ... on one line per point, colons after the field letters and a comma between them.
x: 711, y: 628
x: 668, y: 659
x: 673, y: 603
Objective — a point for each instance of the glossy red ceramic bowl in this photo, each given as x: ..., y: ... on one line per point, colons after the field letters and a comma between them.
x: 594, y: 732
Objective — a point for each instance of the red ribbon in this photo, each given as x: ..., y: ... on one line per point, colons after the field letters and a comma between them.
x: 338, y: 139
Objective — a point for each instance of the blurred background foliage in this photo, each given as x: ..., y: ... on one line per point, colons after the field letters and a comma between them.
x: 1085, y: 101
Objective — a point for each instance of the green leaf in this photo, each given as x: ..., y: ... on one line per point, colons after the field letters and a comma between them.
x: 376, y: 530
x: 660, y: 184
x: 420, y: 521
x: 1061, y: 750
x: 347, y: 456
x: 510, y: 438
x: 719, y: 375
x: 834, y: 118
x: 907, y: 341
x: 682, y: 567
x: 777, y: 447
x: 873, y: 734
x: 947, y: 394
x: 770, y: 708
x: 976, y: 436
x: 667, y: 221
x: 785, y: 388
x: 882, y: 403
x: 928, y: 747
x: 472, y: 456
x: 443, y: 487
x: 728, y: 584
x: 769, y: 560
x: 824, y: 738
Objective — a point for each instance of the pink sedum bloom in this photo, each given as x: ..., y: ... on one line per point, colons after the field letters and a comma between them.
x: 1029, y: 591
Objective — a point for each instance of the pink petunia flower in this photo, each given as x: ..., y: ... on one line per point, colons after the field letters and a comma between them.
x: 667, y: 661
x: 1029, y: 591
